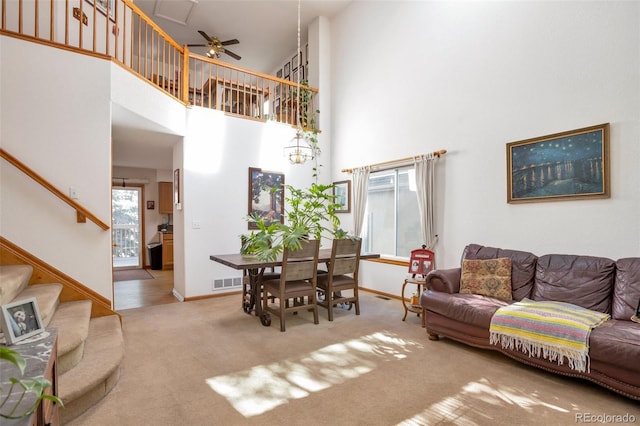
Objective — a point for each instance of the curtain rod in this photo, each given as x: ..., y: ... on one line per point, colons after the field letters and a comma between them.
x: 129, y: 180
x: 395, y: 162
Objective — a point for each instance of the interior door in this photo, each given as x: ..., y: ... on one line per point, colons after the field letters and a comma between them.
x: 126, y: 209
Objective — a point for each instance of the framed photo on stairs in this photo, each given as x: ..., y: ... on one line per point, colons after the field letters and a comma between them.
x: 20, y: 320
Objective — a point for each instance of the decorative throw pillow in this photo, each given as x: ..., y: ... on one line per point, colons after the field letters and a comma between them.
x: 489, y: 277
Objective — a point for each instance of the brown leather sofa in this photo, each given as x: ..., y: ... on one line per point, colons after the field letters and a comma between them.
x: 595, y: 283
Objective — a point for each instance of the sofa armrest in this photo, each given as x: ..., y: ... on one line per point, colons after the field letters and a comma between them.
x: 444, y: 280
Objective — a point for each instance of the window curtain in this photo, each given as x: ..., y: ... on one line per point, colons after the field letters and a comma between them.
x: 425, y: 184
x: 360, y: 188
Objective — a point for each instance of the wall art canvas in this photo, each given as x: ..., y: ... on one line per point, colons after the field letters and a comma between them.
x: 561, y: 166
x: 102, y: 6
x: 266, y: 192
x: 342, y: 192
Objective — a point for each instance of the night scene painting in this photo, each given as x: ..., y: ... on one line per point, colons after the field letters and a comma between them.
x: 561, y: 166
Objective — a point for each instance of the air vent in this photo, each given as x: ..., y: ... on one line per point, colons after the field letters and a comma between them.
x: 225, y: 283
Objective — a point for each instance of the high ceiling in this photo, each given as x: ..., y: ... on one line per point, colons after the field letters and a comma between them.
x: 266, y: 29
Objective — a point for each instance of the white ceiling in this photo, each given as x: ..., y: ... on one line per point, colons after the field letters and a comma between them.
x: 266, y: 29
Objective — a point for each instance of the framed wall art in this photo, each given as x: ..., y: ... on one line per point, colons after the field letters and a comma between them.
x: 287, y: 70
x: 295, y: 61
x: 101, y: 5
x: 21, y: 320
x: 266, y: 196
x: 342, y: 192
x: 561, y: 166
x: 151, y: 205
x: 176, y: 186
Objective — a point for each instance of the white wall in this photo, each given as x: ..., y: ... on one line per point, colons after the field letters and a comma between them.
x: 414, y: 77
x: 218, y: 151
x: 57, y: 122
x: 474, y: 76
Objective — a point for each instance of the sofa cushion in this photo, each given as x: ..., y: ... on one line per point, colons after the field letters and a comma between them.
x: 488, y: 277
x: 523, y: 266
x: 617, y: 342
x: 626, y: 292
x: 585, y: 281
x: 466, y: 308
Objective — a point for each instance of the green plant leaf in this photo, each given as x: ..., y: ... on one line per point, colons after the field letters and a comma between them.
x: 13, y: 357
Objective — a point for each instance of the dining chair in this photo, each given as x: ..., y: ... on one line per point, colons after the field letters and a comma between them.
x: 297, y: 281
x: 342, y: 275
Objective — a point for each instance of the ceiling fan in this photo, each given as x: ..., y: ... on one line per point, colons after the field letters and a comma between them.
x: 216, y: 47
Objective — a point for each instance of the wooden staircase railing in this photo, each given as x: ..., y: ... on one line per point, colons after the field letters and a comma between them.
x: 119, y: 30
x: 82, y: 213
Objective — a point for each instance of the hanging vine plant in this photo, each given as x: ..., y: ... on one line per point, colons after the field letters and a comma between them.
x: 309, y: 125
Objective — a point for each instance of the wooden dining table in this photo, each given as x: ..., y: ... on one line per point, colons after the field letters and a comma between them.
x: 255, y: 267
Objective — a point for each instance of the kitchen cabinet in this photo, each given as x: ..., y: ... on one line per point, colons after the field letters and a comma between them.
x: 166, y: 239
x: 165, y: 197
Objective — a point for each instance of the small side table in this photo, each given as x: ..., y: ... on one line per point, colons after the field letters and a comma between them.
x: 414, y: 305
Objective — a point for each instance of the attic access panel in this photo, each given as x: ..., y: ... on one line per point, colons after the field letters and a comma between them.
x: 178, y: 11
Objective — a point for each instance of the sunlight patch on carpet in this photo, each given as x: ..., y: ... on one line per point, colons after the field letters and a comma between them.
x: 262, y: 388
x: 466, y: 408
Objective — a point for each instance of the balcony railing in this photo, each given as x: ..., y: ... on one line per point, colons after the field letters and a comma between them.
x: 120, y: 31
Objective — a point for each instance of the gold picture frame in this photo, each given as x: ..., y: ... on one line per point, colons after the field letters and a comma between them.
x: 342, y: 194
x: 563, y: 166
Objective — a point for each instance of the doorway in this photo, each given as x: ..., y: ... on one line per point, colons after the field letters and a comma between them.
x: 127, y: 227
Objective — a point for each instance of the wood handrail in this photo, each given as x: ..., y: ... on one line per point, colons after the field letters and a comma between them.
x: 153, y: 25
x: 269, y: 77
x: 81, y: 211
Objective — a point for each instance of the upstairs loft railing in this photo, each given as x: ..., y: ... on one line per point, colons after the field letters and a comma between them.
x: 118, y: 30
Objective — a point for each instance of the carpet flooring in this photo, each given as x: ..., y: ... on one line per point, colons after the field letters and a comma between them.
x: 206, y: 362
x: 131, y: 274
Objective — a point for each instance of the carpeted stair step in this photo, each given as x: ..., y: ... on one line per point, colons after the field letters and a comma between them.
x: 47, y: 297
x: 98, y: 371
x: 13, y: 280
x: 72, y: 321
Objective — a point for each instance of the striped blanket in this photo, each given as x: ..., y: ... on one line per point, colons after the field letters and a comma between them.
x: 555, y: 330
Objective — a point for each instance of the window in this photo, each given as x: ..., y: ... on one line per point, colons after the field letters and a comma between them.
x: 391, y: 226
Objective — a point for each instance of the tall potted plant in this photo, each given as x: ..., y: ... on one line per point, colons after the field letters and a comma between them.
x: 309, y: 213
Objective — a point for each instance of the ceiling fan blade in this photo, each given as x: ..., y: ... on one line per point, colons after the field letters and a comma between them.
x: 233, y: 55
x: 230, y: 42
x: 203, y: 34
x: 197, y: 45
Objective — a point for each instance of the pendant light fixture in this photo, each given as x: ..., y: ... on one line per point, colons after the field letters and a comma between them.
x: 298, y: 151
